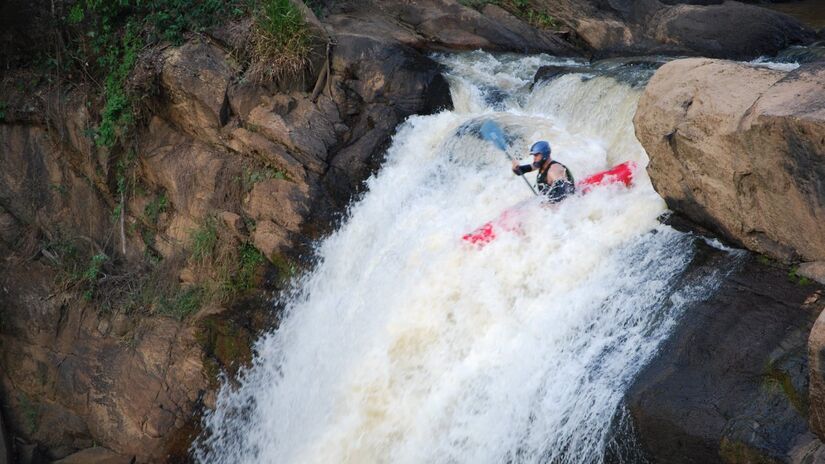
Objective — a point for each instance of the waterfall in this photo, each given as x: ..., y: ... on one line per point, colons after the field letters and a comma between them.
x: 406, y: 345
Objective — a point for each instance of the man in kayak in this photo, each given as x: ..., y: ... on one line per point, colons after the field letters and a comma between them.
x: 554, y: 179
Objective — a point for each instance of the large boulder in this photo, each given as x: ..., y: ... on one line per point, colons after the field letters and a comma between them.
x: 739, y: 149
x: 446, y: 24
x: 195, y: 78
x: 730, y: 30
x: 696, y: 27
x: 730, y: 385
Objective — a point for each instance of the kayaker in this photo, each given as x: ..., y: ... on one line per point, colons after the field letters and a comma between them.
x: 554, y: 179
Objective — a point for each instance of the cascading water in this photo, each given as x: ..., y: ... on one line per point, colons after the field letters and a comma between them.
x: 407, y: 345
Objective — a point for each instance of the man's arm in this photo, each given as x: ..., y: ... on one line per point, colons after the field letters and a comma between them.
x: 521, y: 170
x: 556, y: 172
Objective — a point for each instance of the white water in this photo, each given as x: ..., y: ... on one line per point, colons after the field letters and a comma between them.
x: 405, y: 345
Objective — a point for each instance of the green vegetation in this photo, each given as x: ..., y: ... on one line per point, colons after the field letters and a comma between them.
x: 230, y: 268
x: 108, y: 37
x: 251, y: 260
x: 155, y: 208
x: 253, y: 176
x: 518, y: 8
x: 89, y: 277
x: 204, y: 240
x: 182, y: 303
x: 105, y: 40
x: 793, y: 276
x: 281, y: 41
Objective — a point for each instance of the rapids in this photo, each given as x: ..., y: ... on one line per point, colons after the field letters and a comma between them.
x: 406, y: 345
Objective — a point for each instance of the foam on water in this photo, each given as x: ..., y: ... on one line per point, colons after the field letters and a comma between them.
x: 406, y: 345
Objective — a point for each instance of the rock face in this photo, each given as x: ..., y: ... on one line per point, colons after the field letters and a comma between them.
x: 445, y: 25
x: 699, y: 27
x: 730, y: 385
x: 74, y: 374
x: 739, y: 149
x: 259, y: 165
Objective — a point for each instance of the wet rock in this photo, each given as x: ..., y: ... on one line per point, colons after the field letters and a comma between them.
x: 5, y: 454
x: 738, y: 149
x: 730, y: 30
x: 816, y: 354
x: 546, y: 73
x: 730, y: 384
x: 97, y: 455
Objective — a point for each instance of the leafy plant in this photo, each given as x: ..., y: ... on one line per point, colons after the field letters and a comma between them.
x: 793, y: 276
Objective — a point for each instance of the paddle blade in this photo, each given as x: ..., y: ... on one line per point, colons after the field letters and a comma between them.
x: 493, y: 133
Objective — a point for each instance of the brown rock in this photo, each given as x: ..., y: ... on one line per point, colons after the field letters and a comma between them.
x: 447, y: 24
x: 195, y: 78
x: 270, y: 239
x: 97, y: 455
x: 605, y: 33
x: 245, y: 96
x: 233, y: 222
x: 739, y: 150
x: 198, y: 178
x: 814, y: 271
x: 280, y: 201
x: 274, y: 154
x: 306, y: 128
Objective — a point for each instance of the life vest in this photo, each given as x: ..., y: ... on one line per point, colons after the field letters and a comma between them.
x: 560, y: 188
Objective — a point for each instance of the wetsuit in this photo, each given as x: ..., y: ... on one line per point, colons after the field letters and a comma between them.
x: 556, y: 191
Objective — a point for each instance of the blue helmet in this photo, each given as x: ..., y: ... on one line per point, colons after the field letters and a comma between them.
x: 541, y: 148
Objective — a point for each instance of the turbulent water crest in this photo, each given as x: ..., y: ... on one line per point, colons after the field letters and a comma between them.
x: 406, y: 345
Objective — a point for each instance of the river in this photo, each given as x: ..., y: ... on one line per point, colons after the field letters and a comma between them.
x: 406, y: 345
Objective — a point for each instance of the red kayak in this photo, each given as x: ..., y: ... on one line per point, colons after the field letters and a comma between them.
x: 509, y: 219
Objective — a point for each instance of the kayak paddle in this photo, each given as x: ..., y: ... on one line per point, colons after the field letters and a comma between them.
x: 491, y: 132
